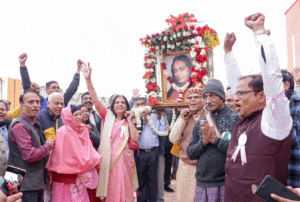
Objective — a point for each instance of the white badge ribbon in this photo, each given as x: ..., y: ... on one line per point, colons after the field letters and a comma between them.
x: 242, y: 142
x: 123, y: 128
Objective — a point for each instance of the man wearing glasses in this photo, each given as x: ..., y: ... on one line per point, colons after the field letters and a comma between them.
x: 261, y: 140
x: 51, y: 86
x: 209, y: 143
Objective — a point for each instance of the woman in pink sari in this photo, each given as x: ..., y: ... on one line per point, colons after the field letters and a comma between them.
x: 73, y: 160
x: 117, y: 176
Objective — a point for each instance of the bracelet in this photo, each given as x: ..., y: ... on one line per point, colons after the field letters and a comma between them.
x: 262, y: 31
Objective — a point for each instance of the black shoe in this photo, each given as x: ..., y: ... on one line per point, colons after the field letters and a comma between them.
x: 168, y: 189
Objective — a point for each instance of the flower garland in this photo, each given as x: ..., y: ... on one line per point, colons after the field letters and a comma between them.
x: 137, y: 116
x: 198, y: 41
x: 169, y: 128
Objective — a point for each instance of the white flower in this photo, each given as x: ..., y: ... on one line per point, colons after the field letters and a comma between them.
x: 194, y: 73
x: 168, y: 45
x: 184, y: 34
x: 153, y: 94
x: 204, y: 79
x: 174, y: 36
x: 178, y: 34
x: 171, y: 38
x: 201, y: 45
x: 193, y: 41
x: 173, y: 46
x: 188, y: 33
x: 195, y: 32
x: 165, y: 38
x: 199, y: 39
x: 203, y: 52
x: 157, y: 47
x: 197, y: 66
x: 163, y: 46
x: 204, y: 64
x: 193, y: 54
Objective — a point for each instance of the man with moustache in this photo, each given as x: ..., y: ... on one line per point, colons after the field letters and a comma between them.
x: 50, y: 120
x: 181, y: 133
x: 209, y: 143
x: 94, y: 117
x: 261, y: 140
x: 28, y: 147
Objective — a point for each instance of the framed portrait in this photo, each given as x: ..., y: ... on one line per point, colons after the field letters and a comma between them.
x: 178, y: 65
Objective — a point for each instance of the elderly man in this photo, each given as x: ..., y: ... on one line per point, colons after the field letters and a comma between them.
x: 4, y: 126
x: 229, y: 101
x: 181, y: 133
x: 261, y: 141
x: 209, y: 143
x: 49, y: 118
x: 94, y: 117
x: 28, y: 147
x: 51, y: 86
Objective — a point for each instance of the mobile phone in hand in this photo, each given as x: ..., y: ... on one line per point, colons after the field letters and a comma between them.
x: 271, y: 186
x: 13, y: 179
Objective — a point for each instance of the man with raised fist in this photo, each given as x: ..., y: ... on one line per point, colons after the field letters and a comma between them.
x: 51, y: 86
x: 261, y: 140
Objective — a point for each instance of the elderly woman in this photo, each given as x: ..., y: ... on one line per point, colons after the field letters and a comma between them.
x: 94, y: 134
x: 73, y: 160
x: 181, y: 73
x: 117, y: 177
x: 4, y: 124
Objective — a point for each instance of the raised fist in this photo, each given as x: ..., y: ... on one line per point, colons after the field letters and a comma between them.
x: 22, y: 59
x: 255, y: 22
x: 35, y: 86
x: 79, y: 64
x: 229, y: 42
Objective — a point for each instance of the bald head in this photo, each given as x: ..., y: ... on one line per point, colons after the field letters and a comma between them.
x: 55, y: 103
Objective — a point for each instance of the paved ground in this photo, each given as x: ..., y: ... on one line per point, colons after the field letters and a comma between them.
x: 170, y: 197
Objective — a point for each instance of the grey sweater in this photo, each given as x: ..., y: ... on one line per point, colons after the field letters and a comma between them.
x: 211, y: 158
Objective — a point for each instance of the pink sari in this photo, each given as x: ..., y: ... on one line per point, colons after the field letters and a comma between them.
x: 121, y: 175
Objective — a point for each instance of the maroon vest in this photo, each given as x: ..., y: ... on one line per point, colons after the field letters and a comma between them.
x: 265, y: 156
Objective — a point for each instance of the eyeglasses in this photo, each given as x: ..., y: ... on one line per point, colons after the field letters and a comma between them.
x: 195, y: 97
x: 241, y: 93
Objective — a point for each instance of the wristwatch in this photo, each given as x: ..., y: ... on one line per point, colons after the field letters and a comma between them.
x: 262, y: 31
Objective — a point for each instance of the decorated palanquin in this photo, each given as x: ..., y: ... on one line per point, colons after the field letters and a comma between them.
x: 179, y: 57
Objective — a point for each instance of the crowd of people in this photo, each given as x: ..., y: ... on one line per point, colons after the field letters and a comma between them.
x: 228, y: 140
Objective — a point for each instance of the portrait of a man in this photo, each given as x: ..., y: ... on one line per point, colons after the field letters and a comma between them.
x: 180, y: 68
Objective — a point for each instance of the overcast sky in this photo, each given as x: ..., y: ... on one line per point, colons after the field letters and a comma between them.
x: 55, y: 34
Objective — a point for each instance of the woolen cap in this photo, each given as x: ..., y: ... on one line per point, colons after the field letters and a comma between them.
x: 214, y: 86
